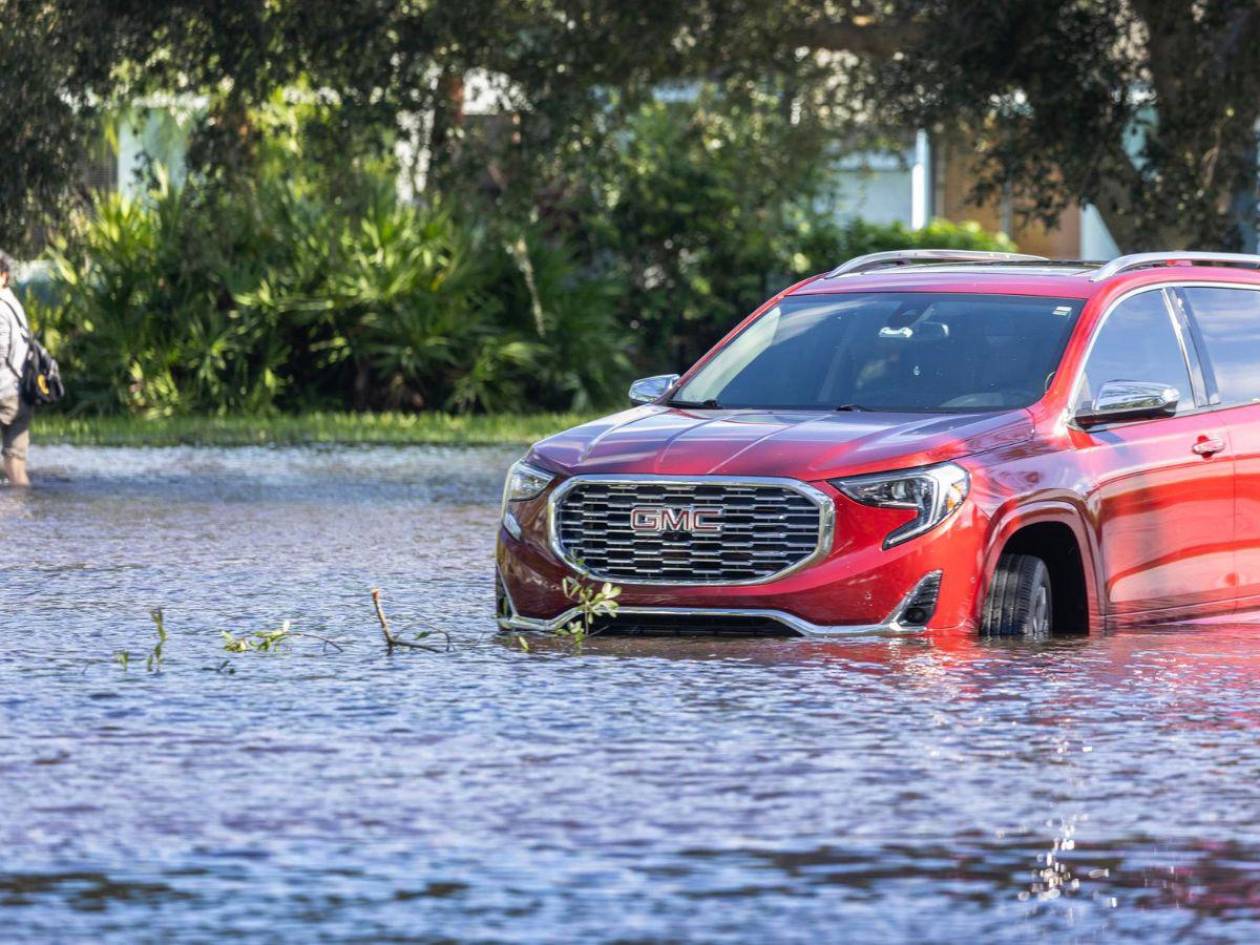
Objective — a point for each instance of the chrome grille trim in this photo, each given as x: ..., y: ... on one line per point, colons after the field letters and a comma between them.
x: 808, y: 515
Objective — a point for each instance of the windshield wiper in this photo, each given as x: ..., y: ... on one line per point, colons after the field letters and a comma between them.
x: 709, y: 404
x: 850, y: 408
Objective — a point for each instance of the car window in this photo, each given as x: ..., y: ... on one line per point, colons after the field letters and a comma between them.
x: 895, y: 351
x: 1229, y: 323
x: 1137, y: 343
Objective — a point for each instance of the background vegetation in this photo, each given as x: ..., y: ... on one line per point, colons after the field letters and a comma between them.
x: 1145, y: 109
x: 305, y: 283
x: 392, y: 428
x: 657, y: 169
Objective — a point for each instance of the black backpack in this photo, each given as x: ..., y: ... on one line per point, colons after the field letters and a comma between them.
x: 40, y: 381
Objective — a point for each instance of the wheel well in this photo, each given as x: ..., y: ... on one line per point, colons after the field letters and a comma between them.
x: 1056, y: 545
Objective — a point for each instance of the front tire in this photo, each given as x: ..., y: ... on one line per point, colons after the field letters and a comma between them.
x: 1021, y: 600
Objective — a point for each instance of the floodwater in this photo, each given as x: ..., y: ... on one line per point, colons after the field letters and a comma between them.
x: 641, y: 791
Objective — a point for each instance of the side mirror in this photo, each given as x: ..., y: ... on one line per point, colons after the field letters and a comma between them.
x: 1118, y: 401
x: 647, y: 389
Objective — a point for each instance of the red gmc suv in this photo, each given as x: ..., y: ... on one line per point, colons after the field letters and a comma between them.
x: 923, y: 441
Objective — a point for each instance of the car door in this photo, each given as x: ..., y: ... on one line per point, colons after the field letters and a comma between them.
x: 1225, y: 321
x: 1160, y: 491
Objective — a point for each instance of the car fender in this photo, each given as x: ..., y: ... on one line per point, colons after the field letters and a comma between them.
x: 1060, y: 511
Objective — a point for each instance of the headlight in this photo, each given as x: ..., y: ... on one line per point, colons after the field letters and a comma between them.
x: 935, y: 492
x: 525, y: 482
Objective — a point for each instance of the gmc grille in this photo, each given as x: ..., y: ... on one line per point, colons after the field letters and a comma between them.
x: 764, y: 529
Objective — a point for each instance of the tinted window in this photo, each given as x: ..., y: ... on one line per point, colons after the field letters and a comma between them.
x: 1229, y: 321
x: 1137, y: 343
x: 901, y: 351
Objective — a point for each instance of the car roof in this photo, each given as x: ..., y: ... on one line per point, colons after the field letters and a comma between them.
x: 1075, y: 279
x: 1056, y: 281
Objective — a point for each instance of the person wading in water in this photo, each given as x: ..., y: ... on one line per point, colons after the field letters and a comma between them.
x: 15, y: 413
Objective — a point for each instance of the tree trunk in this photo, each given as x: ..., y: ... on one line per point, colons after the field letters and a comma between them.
x: 448, y: 119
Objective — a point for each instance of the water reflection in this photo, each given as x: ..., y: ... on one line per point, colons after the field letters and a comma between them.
x: 650, y: 790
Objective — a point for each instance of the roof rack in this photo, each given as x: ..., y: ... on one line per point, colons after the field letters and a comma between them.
x: 1145, y: 260
x: 907, y: 257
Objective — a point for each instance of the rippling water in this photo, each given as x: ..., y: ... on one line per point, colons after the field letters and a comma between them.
x: 643, y: 791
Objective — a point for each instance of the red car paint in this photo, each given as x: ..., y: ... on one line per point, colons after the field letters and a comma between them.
x: 1165, y: 512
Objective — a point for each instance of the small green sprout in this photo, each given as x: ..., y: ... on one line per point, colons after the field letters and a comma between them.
x: 591, y: 603
x: 154, y: 662
x: 270, y: 641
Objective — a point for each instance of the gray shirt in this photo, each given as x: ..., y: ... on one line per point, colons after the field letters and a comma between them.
x: 12, y: 342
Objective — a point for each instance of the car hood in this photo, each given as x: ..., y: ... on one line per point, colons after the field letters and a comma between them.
x: 796, y: 444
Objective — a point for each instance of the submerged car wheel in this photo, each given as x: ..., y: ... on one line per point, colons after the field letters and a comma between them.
x: 1021, y: 601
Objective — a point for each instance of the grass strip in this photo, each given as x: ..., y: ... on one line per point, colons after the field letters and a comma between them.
x: 404, y: 429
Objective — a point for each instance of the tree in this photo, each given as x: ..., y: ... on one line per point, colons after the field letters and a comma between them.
x: 63, y: 63
x: 1145, y: 108
x: 52, y: 56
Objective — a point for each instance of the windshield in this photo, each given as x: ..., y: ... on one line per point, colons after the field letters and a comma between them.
x: 896, y: 351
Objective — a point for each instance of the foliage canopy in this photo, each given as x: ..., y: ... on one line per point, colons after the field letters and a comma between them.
x: 1144, y: 108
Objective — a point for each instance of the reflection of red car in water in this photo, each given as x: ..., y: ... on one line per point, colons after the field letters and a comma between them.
x: 923, y: 441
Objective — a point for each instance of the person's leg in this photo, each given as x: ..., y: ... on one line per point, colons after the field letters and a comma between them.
x: 15, y: 472
x: 15, y: 427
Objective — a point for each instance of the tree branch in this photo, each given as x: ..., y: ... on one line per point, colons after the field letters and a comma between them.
x: 392, y: 641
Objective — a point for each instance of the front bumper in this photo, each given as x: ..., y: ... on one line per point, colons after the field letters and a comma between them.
x: 898, y: 622
x: 856, y: 588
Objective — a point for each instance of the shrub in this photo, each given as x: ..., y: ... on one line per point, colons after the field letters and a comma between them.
x: 582, y: 357
x: 269, y: 297
x: 303, y: 285
x: 706, y: 207
x: 830, y: 244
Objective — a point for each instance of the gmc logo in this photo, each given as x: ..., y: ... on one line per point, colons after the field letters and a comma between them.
x: 656, y: 519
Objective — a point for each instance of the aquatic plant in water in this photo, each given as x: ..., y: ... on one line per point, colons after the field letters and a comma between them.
x: 153, y: 662
x: 592, y: 602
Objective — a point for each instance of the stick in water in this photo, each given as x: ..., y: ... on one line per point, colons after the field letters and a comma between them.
x: 392, y: 641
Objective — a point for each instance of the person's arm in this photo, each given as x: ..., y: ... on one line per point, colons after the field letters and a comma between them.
x: 8, y: 335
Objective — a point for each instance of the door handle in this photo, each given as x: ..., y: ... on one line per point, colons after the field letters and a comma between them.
x: 1208, y: 445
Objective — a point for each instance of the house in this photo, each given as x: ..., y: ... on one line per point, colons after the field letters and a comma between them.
x: 933, y: 178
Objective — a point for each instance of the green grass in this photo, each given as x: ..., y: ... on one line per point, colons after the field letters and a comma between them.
x: 391, y: 428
